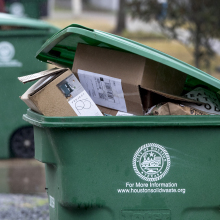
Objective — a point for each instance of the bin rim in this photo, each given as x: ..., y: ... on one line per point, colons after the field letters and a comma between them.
x: 120, y: 121
x: 118, y: 43
x: 12, y: 20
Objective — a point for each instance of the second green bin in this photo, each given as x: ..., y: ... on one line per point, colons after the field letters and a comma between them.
x: 20, y: 38
x: 27, y: 8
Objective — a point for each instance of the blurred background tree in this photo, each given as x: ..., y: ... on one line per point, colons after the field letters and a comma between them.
x: 121, y: 17
x: 194, y: 23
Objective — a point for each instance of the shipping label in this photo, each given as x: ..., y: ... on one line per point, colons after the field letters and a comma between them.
x: 104, y: 90
x: 52, y: 202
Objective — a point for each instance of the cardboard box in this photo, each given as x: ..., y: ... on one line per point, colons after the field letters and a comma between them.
x: 58, y: 93
x: 92, y: 65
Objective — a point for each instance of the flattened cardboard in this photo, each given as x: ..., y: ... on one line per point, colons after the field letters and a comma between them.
x: 35, y: 76
x: 132, y: 69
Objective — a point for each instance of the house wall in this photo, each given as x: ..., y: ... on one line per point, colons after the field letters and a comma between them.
x: 106, y: 4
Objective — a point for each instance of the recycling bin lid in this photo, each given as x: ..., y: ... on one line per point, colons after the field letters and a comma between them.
x: 61, y: 48
x: 14, y: 21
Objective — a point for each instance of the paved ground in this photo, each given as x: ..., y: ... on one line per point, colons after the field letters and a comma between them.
x: 19, y: 177
x: 23, y: 207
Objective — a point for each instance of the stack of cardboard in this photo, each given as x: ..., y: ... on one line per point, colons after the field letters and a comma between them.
x: 104, y: 81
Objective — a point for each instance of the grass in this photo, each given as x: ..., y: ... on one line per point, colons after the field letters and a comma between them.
x: 41, y: 201
x: 172, y: 48
x: 101, y: 25
x: 140, y: 35
x: 92, y: 23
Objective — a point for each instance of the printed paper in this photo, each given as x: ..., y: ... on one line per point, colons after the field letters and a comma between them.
x: 78, y: 98
x: 83, y: 105
x: 212, y: 104
x: 123, y: 114
x: 104, y: 90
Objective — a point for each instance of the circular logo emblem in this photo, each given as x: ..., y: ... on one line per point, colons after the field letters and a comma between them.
x: 17, y: 9
x: 151, y: 162
x: 7, y: 51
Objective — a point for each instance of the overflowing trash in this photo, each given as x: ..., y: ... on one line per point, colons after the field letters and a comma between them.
x: 106, y: 82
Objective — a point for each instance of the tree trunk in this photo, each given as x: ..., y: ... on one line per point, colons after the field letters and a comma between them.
x: 121, y: 17
x: 2, y: 6
x: 197, y: 52
x: 51, y: 6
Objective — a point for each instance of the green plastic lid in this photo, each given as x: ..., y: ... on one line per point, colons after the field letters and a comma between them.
x: 61, y: 48
x: 14, y: 21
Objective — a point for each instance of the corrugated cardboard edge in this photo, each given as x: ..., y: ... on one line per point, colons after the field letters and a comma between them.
x: 39, y: 75
x: 26, y: 95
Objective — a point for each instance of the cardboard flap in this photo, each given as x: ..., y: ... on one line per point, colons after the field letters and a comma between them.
x: 174, y: 97
x: 117, y: 64
x: 35, y: 76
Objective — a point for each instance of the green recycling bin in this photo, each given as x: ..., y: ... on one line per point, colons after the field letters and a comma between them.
x: 19, y: 40
x: 94, y: 165
x: 27, y: 8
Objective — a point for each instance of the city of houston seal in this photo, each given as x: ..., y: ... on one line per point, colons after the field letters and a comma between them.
x: 151, y: 162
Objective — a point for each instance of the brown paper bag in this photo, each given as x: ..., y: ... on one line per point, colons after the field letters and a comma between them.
x: 170, y: 108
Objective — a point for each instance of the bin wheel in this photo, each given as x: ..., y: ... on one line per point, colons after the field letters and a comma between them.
x: 22, y: 142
